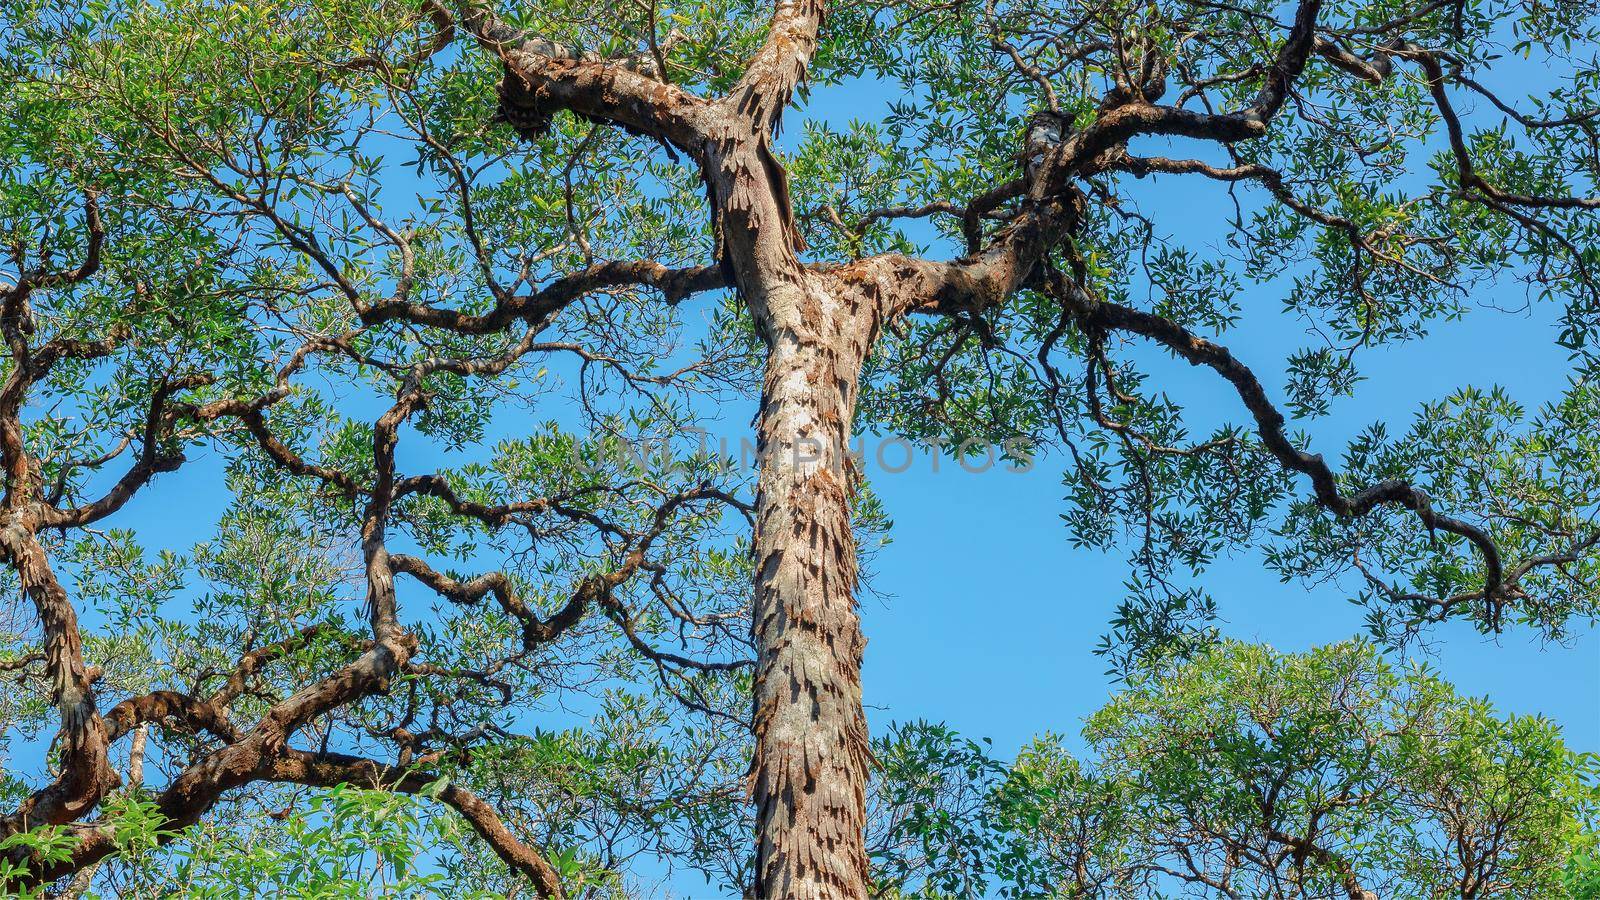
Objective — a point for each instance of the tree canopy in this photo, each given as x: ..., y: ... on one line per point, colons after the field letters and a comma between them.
x: 395, y: 293
x: 1249, y: 773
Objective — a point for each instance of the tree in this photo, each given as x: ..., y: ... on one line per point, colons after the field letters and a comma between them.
x: 197, y: 313
x: 227, y: 182
x: 1250, y: 773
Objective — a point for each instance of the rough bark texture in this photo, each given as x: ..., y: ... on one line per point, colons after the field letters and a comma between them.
x: 810, y: 766
x: 86, y: 775
x: 808, y: 775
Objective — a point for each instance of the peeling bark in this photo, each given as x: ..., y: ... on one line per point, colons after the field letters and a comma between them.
x: 86, y: 774
x: 809, y: 773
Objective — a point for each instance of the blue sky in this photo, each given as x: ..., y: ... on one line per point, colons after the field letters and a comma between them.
x: 994, y: 618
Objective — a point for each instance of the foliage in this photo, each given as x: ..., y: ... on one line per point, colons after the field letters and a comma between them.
x: 1256, y: 773
x: 296, y: 270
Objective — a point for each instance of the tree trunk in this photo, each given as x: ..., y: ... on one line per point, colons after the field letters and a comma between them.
x: 808, y: 777
x: 810, y: 768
